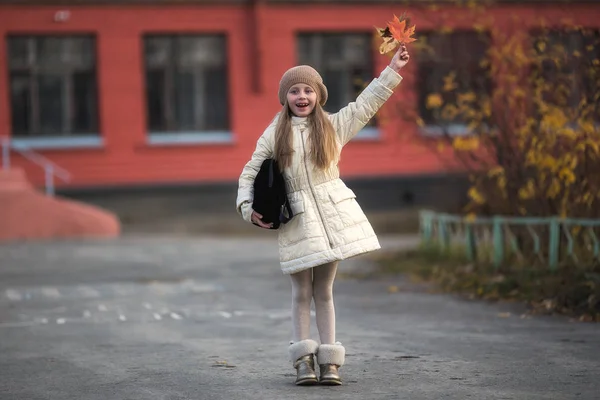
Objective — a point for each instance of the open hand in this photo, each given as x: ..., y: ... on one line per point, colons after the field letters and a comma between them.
x: 257, y: 219
x: 400, y: 59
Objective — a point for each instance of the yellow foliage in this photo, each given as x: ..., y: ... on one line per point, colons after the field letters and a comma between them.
x: 479, y: 28
x: 465, y: 143
x: 548, y: 162
x: 472, y: 4
x: 476, y: 196
x: 519, y: 93
x: 502, y: 184
x: 434, y: 100
x: 567, y: 175
x: 539, y: 126
x: 586, y: 126
x: 563, y: 213
x: 472, y: 126
x: 554, y: 188
x: 568, y: 133
x: 541, y: 46
x: 588, y: 144
x: 450, y: 112
x: 528, y: 191
x: 468, y: 97
x: 555, y: 119
x: 449, y: 82
x: 497, y: 170
x: 486, y: 108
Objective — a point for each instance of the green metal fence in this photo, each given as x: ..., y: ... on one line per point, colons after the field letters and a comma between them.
x: 549, y: 242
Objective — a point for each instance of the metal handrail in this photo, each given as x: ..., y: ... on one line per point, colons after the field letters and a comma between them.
x: 551, y: 238
x: 51, y: 170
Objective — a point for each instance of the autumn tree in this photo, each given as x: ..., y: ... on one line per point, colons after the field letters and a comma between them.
x: 521, y: 111
x: 515, y: 103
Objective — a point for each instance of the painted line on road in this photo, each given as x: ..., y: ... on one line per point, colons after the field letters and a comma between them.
x: 13, y: 295
x: 23, y: 324
x: 50, y: 292
x: 121, y: 314
x: 89, y: 292
x: 108, y: 290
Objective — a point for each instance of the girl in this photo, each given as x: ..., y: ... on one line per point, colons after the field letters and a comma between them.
x: 328, y: 224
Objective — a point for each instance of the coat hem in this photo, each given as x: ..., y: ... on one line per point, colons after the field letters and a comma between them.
x: 344, y: 252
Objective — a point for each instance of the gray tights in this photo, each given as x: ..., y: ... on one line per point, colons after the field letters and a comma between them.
x: 314, y: 283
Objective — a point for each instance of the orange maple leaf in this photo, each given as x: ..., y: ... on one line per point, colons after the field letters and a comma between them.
x: 400, y: 32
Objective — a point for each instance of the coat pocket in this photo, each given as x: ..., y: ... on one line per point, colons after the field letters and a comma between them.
x: 346, y: 206
x: 339, y: 195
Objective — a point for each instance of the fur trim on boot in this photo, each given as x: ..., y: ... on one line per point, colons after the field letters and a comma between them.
x: 331, y: 354
x: 302, y: 348
x: 330, y: 357
x: 302, y: 356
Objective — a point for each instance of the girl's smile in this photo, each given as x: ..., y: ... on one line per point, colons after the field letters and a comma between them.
x: 301, y: 99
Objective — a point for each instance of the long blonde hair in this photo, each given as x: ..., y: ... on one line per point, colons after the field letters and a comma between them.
x: 322, y: 140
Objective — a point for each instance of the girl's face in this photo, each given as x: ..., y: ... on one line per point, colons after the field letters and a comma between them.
x: 301, y: 99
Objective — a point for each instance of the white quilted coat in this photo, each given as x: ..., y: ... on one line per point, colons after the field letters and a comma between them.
x: 329, y: 224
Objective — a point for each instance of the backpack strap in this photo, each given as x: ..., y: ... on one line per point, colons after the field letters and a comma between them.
x: 271, y: 172
x: 282, y: 217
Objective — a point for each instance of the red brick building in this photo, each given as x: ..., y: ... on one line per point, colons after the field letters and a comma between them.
x: 125, y: 93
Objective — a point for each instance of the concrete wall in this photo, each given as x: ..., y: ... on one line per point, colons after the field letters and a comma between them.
x: 391, y: 203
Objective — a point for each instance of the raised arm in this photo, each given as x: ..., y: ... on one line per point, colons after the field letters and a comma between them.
x: 352, y: 118
x: 263, y: 150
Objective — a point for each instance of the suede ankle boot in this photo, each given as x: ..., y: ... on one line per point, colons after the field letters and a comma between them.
x: 330, y: 358
x: 301, y: 354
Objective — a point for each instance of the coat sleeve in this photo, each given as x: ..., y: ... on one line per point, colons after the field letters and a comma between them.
x: 264, y: 149
x: 352, y: 118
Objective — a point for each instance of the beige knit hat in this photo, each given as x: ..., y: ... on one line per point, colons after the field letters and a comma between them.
x: 302, y: 74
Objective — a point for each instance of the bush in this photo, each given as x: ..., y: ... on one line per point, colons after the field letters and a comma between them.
x: 568, y: 291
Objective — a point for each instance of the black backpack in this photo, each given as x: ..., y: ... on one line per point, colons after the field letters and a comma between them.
x: 270, y: 196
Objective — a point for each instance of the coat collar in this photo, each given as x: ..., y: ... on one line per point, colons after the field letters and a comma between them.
x: 299, y: 121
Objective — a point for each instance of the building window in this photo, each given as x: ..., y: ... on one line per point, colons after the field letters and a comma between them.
x: 569, y: 67
x: 53, y: 90
x: 186, y: 83
x: 345, y: 62
x: 451, y: 63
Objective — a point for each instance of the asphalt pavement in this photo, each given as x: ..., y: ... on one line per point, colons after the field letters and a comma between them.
x: 209, y: 318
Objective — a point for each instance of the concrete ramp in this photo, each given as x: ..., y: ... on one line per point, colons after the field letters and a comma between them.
x: 27, y: 214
